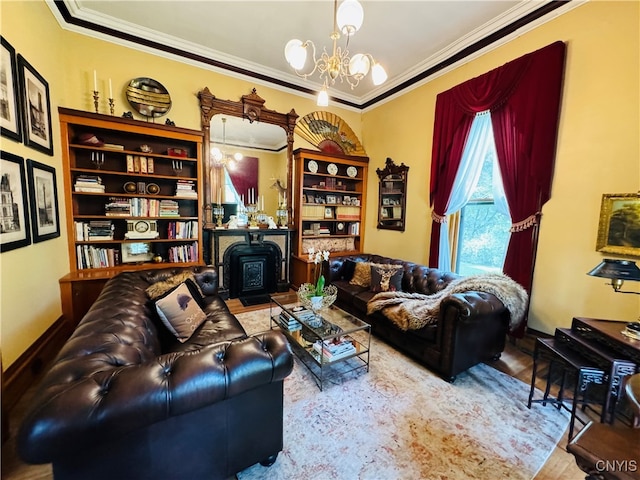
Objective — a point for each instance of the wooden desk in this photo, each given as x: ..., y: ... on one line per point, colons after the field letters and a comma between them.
x: 602, y: 342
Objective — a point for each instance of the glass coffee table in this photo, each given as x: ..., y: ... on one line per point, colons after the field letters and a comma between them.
x: 330, y: 345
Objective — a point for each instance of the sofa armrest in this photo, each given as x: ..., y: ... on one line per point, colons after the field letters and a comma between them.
x: 75, y: 413
x: 472, y: 305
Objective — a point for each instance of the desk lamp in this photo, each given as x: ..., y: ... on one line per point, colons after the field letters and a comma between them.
x: 618, y: 271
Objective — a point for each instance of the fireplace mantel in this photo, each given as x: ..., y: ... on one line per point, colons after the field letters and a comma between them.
x: 220, y: 243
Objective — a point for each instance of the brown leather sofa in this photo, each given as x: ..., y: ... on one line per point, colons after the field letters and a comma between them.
x: 125, y: 399
x: 471, y: 328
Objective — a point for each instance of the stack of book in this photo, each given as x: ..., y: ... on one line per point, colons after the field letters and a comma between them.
x: 88, y: 183
x: 89, y: 256
x: 186, y: 188
x: 118, y: 207
x: 183, y: 253
x: 332, y: 350
x: 289, y: 323
x: 144, y: 207
x: 169, y: 208
x: 100, y: 230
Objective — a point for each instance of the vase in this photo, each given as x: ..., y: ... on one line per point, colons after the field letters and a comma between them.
x: 315, y: 303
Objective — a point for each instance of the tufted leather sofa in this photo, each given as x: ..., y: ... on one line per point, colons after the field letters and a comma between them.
x: 124, y: 399
x: 472, y: 326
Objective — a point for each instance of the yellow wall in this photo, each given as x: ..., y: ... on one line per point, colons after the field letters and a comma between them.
x: 29, y: 276
x: 598, y: 152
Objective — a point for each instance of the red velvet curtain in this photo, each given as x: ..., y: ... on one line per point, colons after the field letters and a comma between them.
x: 245, y: 177
x: 524, y: 99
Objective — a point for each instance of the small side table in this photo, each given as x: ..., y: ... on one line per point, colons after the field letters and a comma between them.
x: 570, y: 363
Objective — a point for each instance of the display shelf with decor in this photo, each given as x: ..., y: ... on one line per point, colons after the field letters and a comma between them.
x: 392, y: 198
x: 132, y: 196
x: 329, y: 202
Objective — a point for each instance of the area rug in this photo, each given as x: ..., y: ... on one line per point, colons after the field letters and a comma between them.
x: 399, y: 420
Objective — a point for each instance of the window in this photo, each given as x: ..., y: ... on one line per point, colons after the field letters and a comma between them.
x: 483, y: 232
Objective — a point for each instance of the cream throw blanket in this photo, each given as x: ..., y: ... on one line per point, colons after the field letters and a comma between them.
x: 412, y: 311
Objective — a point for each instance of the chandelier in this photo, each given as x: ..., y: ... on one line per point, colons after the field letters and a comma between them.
x: 346, y: 20
x: 221, y: 157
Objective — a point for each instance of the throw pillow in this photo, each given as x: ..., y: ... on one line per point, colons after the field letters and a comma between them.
x: 180, y: 312
x: 386, y: 278
x: 361, y: 274
x: 348, y: 269
x: 158, y: 289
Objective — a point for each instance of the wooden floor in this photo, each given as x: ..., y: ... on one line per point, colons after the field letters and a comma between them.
x: 516, y: 361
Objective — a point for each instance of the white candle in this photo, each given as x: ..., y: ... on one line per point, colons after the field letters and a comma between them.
x: 219, y: 197
x: 95, y: 81
x: 262, y: 203
x: 110, y: 90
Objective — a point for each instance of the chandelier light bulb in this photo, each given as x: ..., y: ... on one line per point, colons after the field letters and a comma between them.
x: 359, y: 65
x: 295, y: 53
x: 350, y: 17
x: 323, y: 97
x: 237, y: 156
x: 217, y: 154
x: 378, y: 74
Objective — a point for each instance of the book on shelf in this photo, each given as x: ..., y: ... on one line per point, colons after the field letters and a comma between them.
x: 88, y: 256
x: 89, y: 184
x: 330, y: 352
x: 169, y: 208
x: 182, y: 230
x: 183, y: 253
x: 288, y: 323
x: 113, y: 146
x: 186, y: 188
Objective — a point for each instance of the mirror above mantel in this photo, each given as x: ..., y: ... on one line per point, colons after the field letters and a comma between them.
x: 248, y: 130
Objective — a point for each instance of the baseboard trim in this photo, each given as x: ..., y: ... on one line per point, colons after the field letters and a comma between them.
x: 30, y: 366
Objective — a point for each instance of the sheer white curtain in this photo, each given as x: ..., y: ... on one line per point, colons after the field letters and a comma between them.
x: 479, y: 143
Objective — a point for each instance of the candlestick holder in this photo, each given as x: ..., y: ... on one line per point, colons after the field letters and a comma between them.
x: 112, y: 105
x: 218, y: 213
x: 96, y: 97
x: 252, y: 211
x: 281, y: 216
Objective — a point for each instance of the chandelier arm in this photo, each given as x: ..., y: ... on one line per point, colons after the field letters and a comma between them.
x: 315, y: 61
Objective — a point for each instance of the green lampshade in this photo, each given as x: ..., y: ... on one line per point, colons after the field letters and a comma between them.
x: 617, y: 270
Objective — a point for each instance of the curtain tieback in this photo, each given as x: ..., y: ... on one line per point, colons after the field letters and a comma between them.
x: 438, y: 218
x: 528, y: 222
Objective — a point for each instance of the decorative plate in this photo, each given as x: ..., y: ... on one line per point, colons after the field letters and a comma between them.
x: 130, y: 187
x: 332, y: 168
x: 352, y: 171
x: 329, y: 133
x: 312, y: 166
x: 148, y: 97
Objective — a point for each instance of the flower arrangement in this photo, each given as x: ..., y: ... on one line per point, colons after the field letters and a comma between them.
x: 318, y: 258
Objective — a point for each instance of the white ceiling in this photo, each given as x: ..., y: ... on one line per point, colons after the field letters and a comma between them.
x: 407, y: 37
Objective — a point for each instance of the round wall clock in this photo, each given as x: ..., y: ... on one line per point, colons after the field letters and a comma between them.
x: 352, y: 171
x: 340, y: 227
x: 332, y: 168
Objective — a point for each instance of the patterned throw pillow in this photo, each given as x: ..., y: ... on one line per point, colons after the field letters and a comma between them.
x: 386, y: 278
x: 180, y: 312
x: 158, y: 289
x: 361, y: 274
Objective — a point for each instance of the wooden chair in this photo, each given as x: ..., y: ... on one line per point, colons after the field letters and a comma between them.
x: 611, y: 452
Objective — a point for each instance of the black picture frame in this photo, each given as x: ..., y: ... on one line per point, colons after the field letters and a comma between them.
x: 14, y: 228
x: 10, y: 111
x: 36, y: 108
x: 43, y: 199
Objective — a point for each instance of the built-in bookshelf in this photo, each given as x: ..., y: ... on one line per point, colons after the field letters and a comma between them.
x: 132, y: 192
x: 329, y: 205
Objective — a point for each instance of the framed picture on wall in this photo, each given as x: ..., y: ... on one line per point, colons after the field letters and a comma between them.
x: 14, y: 225
x: 43, y: 198
x: 10, y: 119
x: 36, y: 108
x: 619, y: 225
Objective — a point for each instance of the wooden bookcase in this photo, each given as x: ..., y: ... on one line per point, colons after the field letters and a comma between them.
x: 145, y: 181
x: 392, y: 197
x: 175, y: 157
x: 330, y: 192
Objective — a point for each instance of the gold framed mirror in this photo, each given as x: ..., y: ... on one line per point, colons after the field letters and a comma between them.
x: 251, y: 108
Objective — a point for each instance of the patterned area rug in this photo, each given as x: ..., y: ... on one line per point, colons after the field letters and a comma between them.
x: 399, y: 420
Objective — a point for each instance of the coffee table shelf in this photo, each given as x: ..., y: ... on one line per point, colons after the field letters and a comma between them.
x: 337, y: 329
